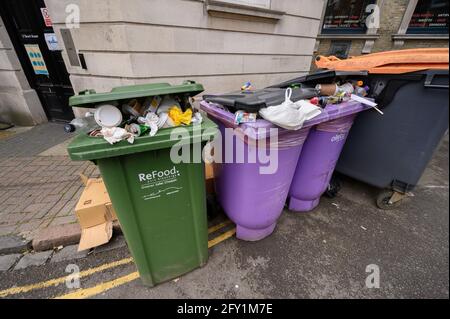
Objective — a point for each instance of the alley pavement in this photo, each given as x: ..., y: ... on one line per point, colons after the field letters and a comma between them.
x: 327, y: 253
x: 39, y: 184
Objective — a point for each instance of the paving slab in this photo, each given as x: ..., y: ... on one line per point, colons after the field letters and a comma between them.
x: 69, y: 253
x: 7, y: 261
x: 33, y: 259
x: 34, y: 141
x: 11, y: 244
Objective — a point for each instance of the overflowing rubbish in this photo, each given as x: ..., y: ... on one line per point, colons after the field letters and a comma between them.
x: 84, y: 124
x: 366, y: 102
x: 153, y: 121
x: 116, y: 134
x: 289, y: 104
x: 197, y: 118
x: 160, y: 203
x: 247, y: 86
x: 128, y: 119
x: 179, y: 117
x: 108, y: 116
x: 137, y: 129
x: 245, y: 117
x: 290, y: 115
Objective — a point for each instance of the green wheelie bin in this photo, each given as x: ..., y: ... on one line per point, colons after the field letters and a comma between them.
x: 161, y: 205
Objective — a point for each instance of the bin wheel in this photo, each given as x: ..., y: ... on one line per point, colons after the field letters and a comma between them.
x: 389, y: 199
x: 333, y: 187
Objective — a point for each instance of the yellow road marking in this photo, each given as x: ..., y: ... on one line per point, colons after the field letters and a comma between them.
x: 105, y: 286
x: 57, y: 281
x: 100, y: 288
x: 214, y: 228
x: 221, y: 238
x: 88, y: 272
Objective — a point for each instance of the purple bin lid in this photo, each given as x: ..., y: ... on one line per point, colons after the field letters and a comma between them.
x: 330, y: 112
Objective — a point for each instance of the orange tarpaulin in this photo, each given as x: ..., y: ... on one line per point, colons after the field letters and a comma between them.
x: 394, y: 62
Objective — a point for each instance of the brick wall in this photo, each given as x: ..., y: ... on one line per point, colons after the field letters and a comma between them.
x: 392, y: 12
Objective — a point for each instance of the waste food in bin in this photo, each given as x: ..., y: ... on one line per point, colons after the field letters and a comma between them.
x: 160, y: 204
x: 391, y: 152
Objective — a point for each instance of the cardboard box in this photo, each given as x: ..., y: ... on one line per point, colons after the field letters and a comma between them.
x: 95, y: 215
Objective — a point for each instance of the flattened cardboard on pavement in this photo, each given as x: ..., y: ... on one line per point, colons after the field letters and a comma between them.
x: 95, y: 215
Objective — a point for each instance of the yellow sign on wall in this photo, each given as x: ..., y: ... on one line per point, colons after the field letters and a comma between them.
x: 36, y: 59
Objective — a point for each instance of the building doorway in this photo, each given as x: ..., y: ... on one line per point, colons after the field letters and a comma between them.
x: 31, y: 33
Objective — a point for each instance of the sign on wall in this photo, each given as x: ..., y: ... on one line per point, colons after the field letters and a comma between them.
x: 46, y: 16
x: 52, y: 41
x: 36, y: 59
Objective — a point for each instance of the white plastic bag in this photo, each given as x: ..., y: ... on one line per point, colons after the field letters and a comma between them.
x: 310, y: 110
x: 289, y: 115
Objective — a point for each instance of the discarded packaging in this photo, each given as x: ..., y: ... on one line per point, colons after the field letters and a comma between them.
x: 116, y: 134
x: 197, y: 118
x: 244, y: 117
x: 166, y: 103
x: 108, y: 116
x: 247, y: 86
x: 326, y: 89
x: 151, y: 104
x: 95, y: 215
x: 290, y: 115
x: 366, y: 102
x: 179, y: 117
x: 130, y: 110
x: 310, y: 110
x: 137, y: 129
x: 334, y: 89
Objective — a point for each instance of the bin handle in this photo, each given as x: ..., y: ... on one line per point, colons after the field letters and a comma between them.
x: 428, y: 83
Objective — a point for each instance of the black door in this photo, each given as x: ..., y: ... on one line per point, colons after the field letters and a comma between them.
x: 32, y: 35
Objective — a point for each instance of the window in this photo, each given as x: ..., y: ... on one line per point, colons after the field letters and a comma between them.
x: 346, y: 16
x: 254, y: 3
x: 430, y: 16
x: 340, y: 49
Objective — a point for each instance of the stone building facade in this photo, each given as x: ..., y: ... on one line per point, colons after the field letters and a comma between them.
x: 221, y: 44
x: 393, y: 32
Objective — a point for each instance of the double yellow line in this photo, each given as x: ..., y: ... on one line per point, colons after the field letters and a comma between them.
x: 89, y: 292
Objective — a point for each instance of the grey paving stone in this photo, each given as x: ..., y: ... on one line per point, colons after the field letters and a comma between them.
x: 33, y: 259
x: 69, y: 253
x: 7, y: 261
x: 34, y: 141
x: 12, y: 244
x: 116, y: 242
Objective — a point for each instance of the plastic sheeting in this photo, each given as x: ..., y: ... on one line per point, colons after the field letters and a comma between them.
x: 258, y: 133
x: 280, y: 138
x: 254, y: 132
x: 341, y: 125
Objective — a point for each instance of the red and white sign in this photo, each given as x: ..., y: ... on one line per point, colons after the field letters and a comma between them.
x: 46, y: 16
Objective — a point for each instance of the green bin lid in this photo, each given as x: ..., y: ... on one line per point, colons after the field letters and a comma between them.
x: 84, y: 147
x: 88, y: 98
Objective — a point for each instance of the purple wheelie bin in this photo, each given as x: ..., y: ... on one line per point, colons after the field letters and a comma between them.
x: 252, y: 200
x: 250, y: 190
x: 317, y: 162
